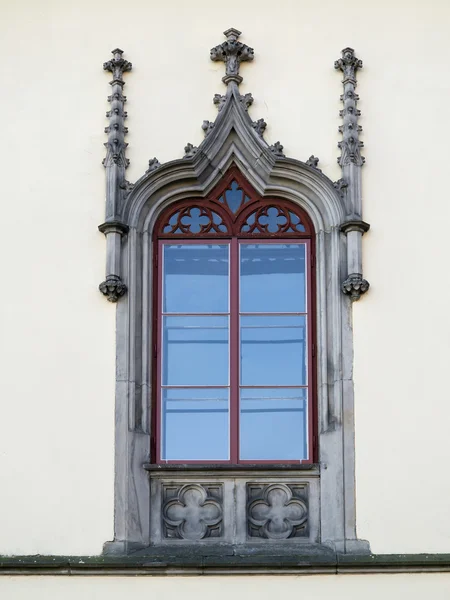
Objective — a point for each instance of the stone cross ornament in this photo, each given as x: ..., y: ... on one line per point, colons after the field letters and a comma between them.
x: 232, y: 53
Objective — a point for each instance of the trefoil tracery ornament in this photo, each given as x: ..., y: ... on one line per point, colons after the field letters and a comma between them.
x: 235, y: 210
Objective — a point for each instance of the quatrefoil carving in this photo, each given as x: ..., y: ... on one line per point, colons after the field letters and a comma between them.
x: 276, y: 514
x: 192, y: 514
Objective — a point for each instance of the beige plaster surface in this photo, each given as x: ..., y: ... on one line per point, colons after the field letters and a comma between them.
x: 345, y: 587
x: 57, y: 332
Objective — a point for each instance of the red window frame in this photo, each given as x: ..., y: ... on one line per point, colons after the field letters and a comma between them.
x: 234, y: 236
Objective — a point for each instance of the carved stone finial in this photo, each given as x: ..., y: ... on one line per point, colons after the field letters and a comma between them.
x: 348, y: 64
x: 277, y: 150
x: 190, y: 150
x: 313, y: 162
x: 350, y: 145
x: 153, y: 164
x: 127, y: 186
x: 117, y: 65
x: 219, y: 101
x: 232, y: 53
x: 246, y: 101
x: 207, y: 127
x: 355, y: 286
x: 113, y: 288
x: 259, y: 126
x: 341, y: 185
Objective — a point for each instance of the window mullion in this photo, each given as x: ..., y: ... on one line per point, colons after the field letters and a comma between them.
x: 234, y: 351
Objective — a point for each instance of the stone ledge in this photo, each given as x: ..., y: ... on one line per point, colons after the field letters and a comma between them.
x: 225, y: 564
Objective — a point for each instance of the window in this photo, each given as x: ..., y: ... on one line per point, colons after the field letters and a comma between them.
x: 234, y: 248
x: 234, y: 337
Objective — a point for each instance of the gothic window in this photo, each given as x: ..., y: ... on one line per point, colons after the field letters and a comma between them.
x: 234, y: 335
x: 223, y: 285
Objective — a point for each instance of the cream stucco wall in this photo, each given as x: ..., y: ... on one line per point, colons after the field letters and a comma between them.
x: 350, y: 587
x: 57, y: 332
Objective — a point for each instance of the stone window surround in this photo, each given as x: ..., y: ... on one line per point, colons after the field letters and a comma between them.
x: 132, y: 209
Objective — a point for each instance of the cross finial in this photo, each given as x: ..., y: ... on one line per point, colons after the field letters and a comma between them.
x: 232, y: 53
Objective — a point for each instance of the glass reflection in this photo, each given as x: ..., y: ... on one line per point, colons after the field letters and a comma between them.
x: 272, y: 277
x: 195, y: 424
x: 273, y: 350
x: 195, y: 278
x: 273, y: 424
x: 195, y: 350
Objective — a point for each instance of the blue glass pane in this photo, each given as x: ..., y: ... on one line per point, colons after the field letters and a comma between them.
x: 195, y: 424
x: 272, y: 277
x: 273, y: 424
x: 273, y: 350
x: 195, y: 351
x: 195, y: 278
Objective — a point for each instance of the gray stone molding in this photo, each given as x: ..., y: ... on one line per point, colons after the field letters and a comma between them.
x: 233, y: 140
x: 226, y: 560
x: 349, y: 186
x: 117, y: 187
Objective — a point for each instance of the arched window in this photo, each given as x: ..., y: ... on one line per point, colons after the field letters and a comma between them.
x: 234, y: 338
x: 216, y: 361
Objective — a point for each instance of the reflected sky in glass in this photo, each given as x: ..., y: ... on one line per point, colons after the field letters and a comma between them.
x: 195, y: 421
x: 273, y: 350
x: 195, y: 424
x: 272, y: 278
x: 195, y: 278
x: 195, y: 351
x: 273, y: 424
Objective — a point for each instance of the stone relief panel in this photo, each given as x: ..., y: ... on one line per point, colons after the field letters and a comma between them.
x: 192, y: 511
x: 277, y: 511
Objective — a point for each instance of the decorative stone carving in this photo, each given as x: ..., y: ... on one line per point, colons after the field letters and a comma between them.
x: 277, y: 511
x: 219, y: 100
x: 277, y: 150
x: 259, y: 126
x: 153, y: 164
x: 232, y: 53
x: 190, y: 150
x: 246, y: 101
x: 313, y: 162
x: 127, y: 186
x: 192, y: 511
x: 349, y: 187
x: 117, y: 187
x: 341, y: 185
x: 116, y: 145
x: 350, y: 145
x: 113, y: 288
x: 355, y: 286
x: 207, y: 127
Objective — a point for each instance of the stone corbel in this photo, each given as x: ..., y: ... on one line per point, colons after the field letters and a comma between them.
x: 349, y: 186
x: 113, y: 287
x: 117, y: 187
